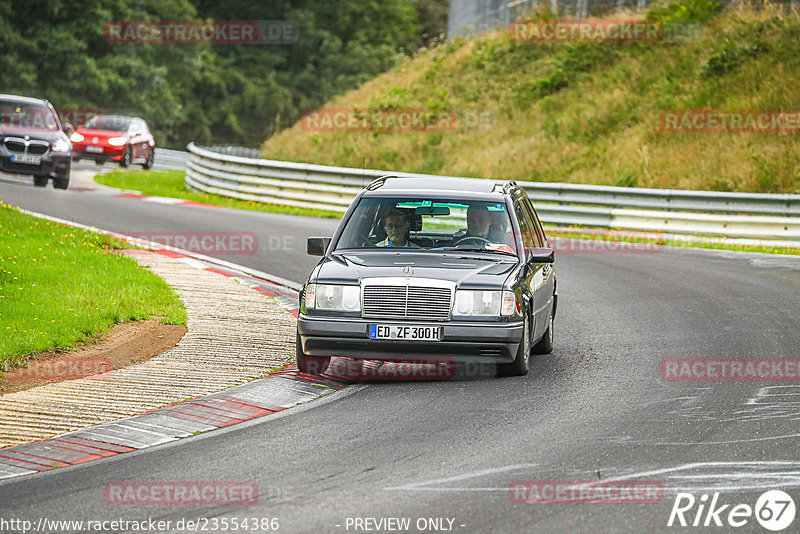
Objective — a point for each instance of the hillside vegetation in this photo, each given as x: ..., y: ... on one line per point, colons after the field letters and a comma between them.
x: 586, y: 112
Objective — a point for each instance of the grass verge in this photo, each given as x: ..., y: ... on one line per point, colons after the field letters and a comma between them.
x: 171, y: 184
x: 60, y: 286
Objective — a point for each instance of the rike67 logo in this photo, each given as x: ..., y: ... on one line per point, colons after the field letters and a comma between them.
x: 774, y: 510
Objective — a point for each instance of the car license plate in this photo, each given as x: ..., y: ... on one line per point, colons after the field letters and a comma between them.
x: 404, y: 332
x: 95, y: 149
x: 28, y: 159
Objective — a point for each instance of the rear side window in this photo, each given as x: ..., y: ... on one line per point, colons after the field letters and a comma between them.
x: 537, y: 226
x: 524, y: 226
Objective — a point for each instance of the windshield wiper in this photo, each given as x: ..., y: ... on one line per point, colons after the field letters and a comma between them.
x: 472, y: 249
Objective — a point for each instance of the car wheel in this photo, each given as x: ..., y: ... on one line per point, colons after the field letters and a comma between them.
x: 40, y: 181
x: 313, y: 365
x: 521, y: 363
x: 545, y: 345
x: 150, y: 157
x: 61, y: 183
x: 126, y: 157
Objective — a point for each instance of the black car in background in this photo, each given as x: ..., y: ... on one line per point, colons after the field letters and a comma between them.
x: 33, y: 141
x: 430, y: 270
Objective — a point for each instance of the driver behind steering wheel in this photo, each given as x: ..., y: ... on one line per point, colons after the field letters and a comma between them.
x: 478, y: 222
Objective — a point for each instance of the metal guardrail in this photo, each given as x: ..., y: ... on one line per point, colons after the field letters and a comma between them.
x: 750, y: 215
x: 166, y: 159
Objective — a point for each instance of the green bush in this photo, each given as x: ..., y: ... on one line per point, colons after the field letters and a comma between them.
x: 699, y: 10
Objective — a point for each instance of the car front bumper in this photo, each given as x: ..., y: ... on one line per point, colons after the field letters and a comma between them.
x: 53, y: 164
x: 108, y: 154
x: 494, y: 342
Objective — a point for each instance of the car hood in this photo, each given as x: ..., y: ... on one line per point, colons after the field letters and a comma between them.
x: 466, y: 270
x: 34, y: 133
x: 102, y: 134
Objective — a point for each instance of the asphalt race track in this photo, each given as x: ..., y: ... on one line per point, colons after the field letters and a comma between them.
x: 597, y: 408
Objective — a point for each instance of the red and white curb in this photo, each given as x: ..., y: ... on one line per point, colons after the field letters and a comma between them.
x: 277, y: 392
x: 283, y: 389
x: 167, y: 200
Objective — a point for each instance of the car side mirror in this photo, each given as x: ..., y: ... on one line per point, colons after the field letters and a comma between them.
x: 316, y: 246
x: 540, y: 255
x: 68, y: 128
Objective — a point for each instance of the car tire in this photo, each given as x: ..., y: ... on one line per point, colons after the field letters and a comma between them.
x: 150, y: 158
x: 545, y: 345
x: 521, y: 364
x: 312, y: 365
x: 126, y: 157
x: 40, y: 181
x: 61, y: 183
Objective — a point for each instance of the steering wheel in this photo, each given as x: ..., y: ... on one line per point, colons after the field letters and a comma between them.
x: 474, y: 238
x: 365, y: 240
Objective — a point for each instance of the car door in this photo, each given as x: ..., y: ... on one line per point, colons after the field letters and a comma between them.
x: 532, y: 271
x: 137, y: 140
x: 543, y: 294
x: 149, y: 141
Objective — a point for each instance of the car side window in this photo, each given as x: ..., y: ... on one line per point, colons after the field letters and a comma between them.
x: 537, y: 226
x: 137, y: 127
x: 524, y: 226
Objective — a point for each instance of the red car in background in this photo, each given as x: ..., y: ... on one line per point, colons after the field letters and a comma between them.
x: 114, y: 138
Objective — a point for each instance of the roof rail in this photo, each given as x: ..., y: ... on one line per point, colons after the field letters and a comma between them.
x: 509, y: 184
x: 378, y: 182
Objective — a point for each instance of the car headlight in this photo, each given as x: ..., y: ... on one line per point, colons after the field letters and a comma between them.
x: 61, y: 145
x: 330, y: 297
x: 117, y: 141
x: 485, y: 303
x: 75, y: 137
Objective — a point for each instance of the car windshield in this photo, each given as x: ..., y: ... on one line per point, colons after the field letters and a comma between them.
x: 27, y: 115
x: 114, y: 123
x: 414, y: 223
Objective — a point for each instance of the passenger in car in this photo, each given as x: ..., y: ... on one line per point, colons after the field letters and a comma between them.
x: 478, y: 222
x: 397, y: 231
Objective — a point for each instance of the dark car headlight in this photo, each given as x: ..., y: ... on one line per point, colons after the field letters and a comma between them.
x: 330, y: 297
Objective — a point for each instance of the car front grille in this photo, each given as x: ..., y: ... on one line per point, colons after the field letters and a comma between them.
x: 38, y: 147
x: 21, y: 146
x: 15, y: 145
x: 407, y: 302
